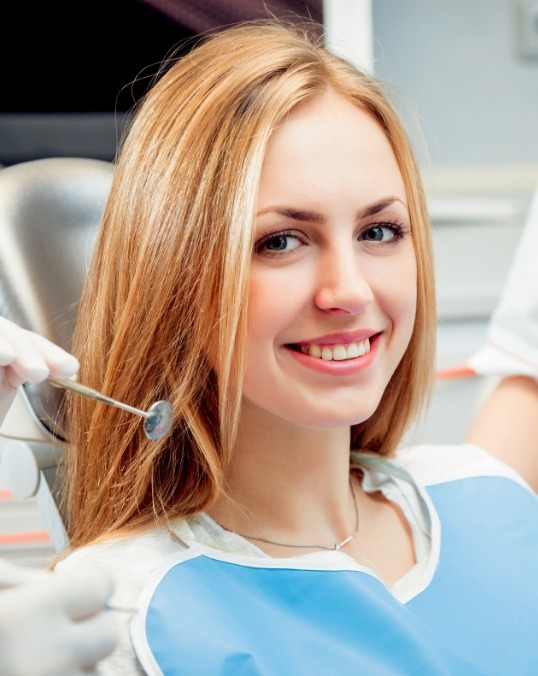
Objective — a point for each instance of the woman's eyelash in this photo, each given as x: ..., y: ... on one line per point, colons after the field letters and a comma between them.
x: 397, y: 228
x: 273, y: 236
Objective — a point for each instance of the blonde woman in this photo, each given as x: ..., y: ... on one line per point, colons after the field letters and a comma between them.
x: 264, y: 264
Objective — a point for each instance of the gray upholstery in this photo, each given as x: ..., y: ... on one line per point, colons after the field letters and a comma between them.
x: 49, y: 213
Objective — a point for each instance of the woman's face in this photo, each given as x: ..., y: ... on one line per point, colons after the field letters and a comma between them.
x: 333, y: 277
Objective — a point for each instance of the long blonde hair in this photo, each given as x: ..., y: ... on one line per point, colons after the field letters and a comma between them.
x: 169, y: 278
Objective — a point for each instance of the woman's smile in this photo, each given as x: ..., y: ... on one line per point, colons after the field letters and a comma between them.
x: 336, y: 346
x: 336, y: 357
x: 337, y: 351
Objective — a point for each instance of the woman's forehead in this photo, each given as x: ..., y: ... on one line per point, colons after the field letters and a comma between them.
x: 329, y: 145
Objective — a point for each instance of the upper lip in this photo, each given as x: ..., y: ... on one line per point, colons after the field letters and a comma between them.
x: 340, y: 338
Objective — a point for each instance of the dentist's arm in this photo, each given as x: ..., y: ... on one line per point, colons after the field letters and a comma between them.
x: 51, y: 624
x: 507, y: 425
x: 28, y: 357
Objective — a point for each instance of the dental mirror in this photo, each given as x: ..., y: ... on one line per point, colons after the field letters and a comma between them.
x: 157, y: 419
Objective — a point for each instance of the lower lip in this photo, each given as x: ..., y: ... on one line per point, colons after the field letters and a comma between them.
x: 337, y: 368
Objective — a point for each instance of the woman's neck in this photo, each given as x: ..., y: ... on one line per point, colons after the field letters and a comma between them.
x: 288, y: 484
x: 293, y: 487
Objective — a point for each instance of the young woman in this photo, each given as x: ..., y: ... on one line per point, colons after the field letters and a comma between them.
x: 264, y: 264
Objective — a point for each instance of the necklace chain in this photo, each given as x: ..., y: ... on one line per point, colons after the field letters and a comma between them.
x: 336, y: 547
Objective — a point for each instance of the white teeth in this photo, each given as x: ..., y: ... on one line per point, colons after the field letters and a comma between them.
x: 315, y: 351
x: 339, y: 351
x: 354, y: 350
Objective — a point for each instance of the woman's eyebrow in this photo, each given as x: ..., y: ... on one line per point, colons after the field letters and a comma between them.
x: 300, y: 215
x: 308, y: 216
x: 376, y: 207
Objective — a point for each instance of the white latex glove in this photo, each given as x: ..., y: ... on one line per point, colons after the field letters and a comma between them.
x: 12, y: 575
x: 511, y: 346
x: 28, y: 357
x: 53, y: 624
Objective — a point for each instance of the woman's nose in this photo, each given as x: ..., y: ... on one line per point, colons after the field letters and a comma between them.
x: 343, y: 286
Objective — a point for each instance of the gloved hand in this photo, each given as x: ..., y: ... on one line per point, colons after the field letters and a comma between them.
x: 28, y: 357
x: 511, y: 346
x: 53, y: 623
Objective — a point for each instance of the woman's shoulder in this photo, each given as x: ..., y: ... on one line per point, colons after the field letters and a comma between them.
x: 130, y: 559
x: 437, y: 463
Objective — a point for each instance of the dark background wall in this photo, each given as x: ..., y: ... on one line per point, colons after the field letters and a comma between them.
x: 81, y: 61
x: 68, y: 77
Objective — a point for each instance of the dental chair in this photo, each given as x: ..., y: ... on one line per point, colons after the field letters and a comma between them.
x: 49, y: 214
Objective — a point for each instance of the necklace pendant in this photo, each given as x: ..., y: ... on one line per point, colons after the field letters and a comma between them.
x: 337, y: 547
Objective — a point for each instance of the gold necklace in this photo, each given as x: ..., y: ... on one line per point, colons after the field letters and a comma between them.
x: 336, y: 547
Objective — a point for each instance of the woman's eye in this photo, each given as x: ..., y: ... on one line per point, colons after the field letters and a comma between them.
x: 382, y: 232
x: 280, y: 242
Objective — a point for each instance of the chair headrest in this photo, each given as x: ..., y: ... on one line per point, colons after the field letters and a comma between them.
x: 50, y: 211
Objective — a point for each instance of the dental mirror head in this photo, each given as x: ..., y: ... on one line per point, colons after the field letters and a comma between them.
x: 159, y: 420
